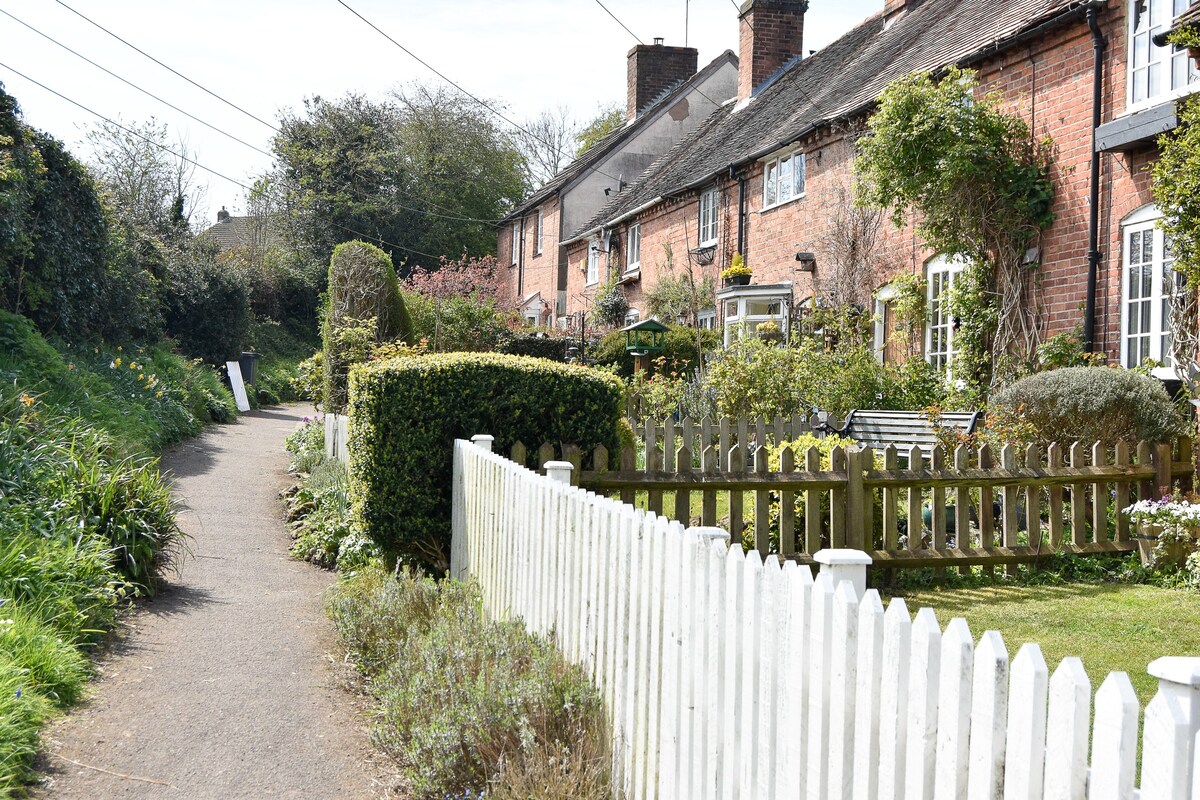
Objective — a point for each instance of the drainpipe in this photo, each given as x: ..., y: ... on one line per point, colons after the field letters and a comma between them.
x: 1093, y: 256
x: 742, y: 214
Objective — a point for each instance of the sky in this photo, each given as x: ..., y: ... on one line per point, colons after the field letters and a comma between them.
x: 267, y: 56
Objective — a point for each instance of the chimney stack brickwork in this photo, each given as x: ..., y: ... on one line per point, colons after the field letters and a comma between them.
x: 654, y: 68
x: 771, y: 33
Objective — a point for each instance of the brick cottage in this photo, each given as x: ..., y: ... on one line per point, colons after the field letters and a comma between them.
x: 769, y: 173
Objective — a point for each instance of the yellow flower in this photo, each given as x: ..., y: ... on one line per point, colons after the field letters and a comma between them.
x: 115, y: 363
x: 70, y: 366
x: 141, y: 377
x: 26, y: 400
x: 119, y: 349
x: 158, y: 393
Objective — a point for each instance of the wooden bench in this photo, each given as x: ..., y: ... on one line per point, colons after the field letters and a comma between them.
x: 903, y: 429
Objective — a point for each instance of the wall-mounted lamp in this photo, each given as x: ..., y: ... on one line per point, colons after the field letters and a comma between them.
x: 808, y: 261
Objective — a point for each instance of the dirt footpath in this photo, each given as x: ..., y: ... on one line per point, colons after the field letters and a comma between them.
x: 225, y: 685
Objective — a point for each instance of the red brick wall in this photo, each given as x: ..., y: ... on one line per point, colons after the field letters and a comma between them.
x: 770, y: 33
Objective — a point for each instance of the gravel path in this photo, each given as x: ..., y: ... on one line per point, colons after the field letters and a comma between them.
x: 223, y: 686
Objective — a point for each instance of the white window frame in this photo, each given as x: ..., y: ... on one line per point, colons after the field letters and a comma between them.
x: 541, y: 229
x: 593, y: 262
x: 778, y: 189
x: 706, y: 319
x: 633, y: 250
x: 940, y: 274
x: 632, y: 317
x: 1146, y: 61
x: 516, y: 242
x: 735, y: 306
x: 1145, y: 304
x: 708, y: 217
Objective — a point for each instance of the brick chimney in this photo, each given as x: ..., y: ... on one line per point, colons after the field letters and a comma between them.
x: 893, y: 7
x: 654, y: 68
x: 771, y: 34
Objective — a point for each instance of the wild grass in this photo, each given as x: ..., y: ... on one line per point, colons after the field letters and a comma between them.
x: 466, y: 705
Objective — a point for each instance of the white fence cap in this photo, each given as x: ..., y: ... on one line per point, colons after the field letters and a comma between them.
x: 710, y: 533
x: 1176, y: 669
x: 842, y: 558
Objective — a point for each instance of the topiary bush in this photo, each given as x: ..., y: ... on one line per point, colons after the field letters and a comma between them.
x: 1090, y: 404
x: 365, y: 308
x: 405, y: 415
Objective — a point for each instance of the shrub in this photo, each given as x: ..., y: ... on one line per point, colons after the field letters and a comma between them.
x: 610, y: 304
x: 365, y: 308
x: 207, y: 307
x: 405, y: 415
x: 468, y: 706
x: 459, y: 324
x: 678, y: 354
x: 1089, y: 404
x: 536, y: 345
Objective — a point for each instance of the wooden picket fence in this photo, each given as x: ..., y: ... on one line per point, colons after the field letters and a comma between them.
x: 337, y: 437
x: 969, y: 506
x: 734, y: 677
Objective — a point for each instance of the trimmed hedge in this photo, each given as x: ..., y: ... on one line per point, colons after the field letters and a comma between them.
x: 553, y: 348
x: 406, y: 414
x: 1089, y: 404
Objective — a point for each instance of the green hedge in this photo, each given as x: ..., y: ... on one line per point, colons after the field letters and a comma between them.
x: 405, y: 416
x: 553, y: 348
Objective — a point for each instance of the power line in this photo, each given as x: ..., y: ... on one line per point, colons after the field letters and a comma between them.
x: 622, y: 24
x: 197, y: 164
x: 135, y: 86
x: 442, y: 75
x: 169, y: 69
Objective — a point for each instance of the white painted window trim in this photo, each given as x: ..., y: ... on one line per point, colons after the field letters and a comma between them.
x: 632, y: 316
x: 744, y: 323
x: 708, y: 217
x: 516, y: 242
x: 706, y: 319
x: 633, y: 262
x: 541, y: 229
x: 593, y: 262
x: 951, y: 268
x: 799, y: 178
x: 1145, y: 220
x: 1164, y: 54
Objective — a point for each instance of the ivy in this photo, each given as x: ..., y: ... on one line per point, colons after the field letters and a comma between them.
x: 610, y: 305
x: 981, y: 186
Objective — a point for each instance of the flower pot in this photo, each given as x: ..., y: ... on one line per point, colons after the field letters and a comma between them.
x: 1173, y: 553
x: 738, y: 280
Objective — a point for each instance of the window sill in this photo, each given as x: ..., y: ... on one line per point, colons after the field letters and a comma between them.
x: 788, y: 202
x: 631, y: 275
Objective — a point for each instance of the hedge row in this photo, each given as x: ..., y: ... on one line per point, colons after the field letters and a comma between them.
x: 405, y: 416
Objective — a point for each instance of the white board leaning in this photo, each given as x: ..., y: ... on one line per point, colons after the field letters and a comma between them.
x: 239, y: 387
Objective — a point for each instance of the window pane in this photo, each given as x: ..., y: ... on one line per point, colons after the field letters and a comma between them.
x: 785, y: 179
x: 801, y: 173
x: 772, y: 184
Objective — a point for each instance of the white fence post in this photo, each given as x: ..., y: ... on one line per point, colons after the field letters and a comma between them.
x: 343, y: 438
x: 483, y: 441
x: 330, y: 435
x: 1170, y: 729
x: 845, y: 565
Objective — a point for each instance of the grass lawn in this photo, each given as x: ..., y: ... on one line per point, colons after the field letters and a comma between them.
x: 1111, y: 627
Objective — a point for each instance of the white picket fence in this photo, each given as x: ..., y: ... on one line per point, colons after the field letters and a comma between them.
x: 732, y: 677
x: 337, y: 437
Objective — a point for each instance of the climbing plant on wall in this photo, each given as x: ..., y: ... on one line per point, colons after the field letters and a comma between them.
x: 980, y: 184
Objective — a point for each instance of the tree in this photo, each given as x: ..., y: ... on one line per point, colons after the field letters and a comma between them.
x: 981, y: 186
x: 422, y: 174
x: 548, y: 144
x: 607, y: 119
x: 143, y: 180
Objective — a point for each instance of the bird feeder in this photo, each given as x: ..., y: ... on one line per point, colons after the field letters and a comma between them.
x: 643, y: 340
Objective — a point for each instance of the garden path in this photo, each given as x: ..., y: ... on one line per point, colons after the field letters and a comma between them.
x: 221, y: 687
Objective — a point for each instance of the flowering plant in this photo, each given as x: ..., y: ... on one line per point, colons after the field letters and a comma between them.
x: 736, y: 268
x: 1172, y: 522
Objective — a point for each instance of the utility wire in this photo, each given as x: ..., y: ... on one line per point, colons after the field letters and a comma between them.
x: 164, y: 66
x: 212, y: 127
x: 442, y: 75
x: 622, y: 24
x: 135, y: 86
x: 197, y: 164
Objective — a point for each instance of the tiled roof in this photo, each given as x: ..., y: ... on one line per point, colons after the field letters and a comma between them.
x: 836, y: 82
x: 236, y: 232
x: 614, y: 138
